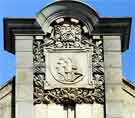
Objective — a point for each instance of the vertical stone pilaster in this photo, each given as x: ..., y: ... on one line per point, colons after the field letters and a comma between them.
x: 113, y: 76
x: 24, y: 76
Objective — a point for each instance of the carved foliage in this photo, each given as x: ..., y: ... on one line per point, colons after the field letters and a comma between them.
x: 68, y: 36
x: 69, y: 96
x: 38, y: 64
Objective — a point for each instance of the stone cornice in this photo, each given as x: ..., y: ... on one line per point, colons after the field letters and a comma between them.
x: 106, y: 26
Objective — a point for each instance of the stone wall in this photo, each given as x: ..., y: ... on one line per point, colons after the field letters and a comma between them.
x: 24, y: 89
x: 128, y: 95
x: 107, y: 32
x: 6, y: 95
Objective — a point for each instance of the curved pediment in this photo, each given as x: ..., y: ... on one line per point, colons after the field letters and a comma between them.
x: 67, y: 9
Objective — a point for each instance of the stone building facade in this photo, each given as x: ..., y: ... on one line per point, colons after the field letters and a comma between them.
x: 68, y: 64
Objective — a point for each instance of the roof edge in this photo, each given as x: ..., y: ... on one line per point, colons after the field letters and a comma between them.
x: 128, y: 87
x: 7, y: 83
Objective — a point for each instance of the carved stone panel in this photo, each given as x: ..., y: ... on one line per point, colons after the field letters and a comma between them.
x: 68, y: 68
x: 68, y: 65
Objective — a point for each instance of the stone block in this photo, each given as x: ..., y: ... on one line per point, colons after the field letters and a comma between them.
x: 23, y: 37
x: 97, y: 111
x: 40, y: 111
x: 5, y: 106
x: 111, y: 37
x: 39, y: 37
x: 112, y: 59
x: 112, y: 43
x: 89, y: 111
x: 24, y: 92
x: 24, y: 76
x: 24, y: 109
x: 96, y: 37
x: 113, y: 92
x: 84, y: 111
x: 55, y: 111
x: 24, y: 59
x: 113, y: 75
x: 6, y: 112
x: 24, y: 45
x: 114, y: 109
x: 132, y: 112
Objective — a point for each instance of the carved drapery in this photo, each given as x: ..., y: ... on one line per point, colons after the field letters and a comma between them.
x: 68, y: 34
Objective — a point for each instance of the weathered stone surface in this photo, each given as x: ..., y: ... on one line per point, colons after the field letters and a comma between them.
x: 39, y: 37
x: 115, y: 109
x: 6, y: 101
x: 112, y: 59
x: 24, y: 45
x: 111, y: 37
x: 55, y: 111
x: 23, y: 37
x: 84, y: 110
x: 24, y: 59
x: 5, y: 91
x: 113, y: 75
x: 97, y: 111
x: 72, y: 34
x: 5, y: 111
x: 112, y: 43
x: 24, y: 76
x: 24, y: 109
x: 75, y: 61
x: 40, y: 111
x: 24, y: 92
x: 89, y: 110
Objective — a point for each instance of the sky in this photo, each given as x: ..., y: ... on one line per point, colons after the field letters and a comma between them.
x: 29, y: 8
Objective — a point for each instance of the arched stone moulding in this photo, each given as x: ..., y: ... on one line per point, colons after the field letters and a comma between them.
x: 72, y: 9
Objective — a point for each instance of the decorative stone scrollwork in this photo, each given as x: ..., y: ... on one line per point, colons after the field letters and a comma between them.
x: 68, y: 34
x: 69, y: 96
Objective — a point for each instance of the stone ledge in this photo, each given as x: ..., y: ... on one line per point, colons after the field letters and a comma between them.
x: 6, y: 89
x: 128, y: 87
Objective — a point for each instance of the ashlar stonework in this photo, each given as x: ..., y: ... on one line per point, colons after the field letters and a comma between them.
x: 68, y: 65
